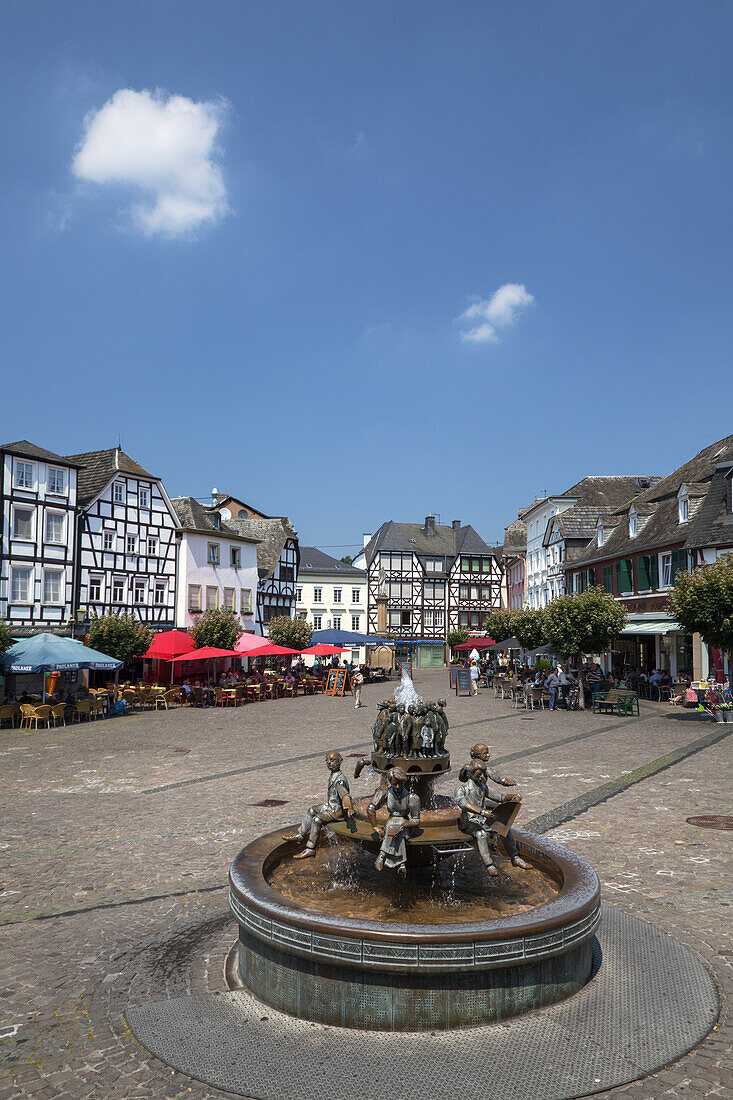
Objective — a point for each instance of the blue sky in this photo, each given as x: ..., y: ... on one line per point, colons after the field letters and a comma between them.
x: 269, y: 301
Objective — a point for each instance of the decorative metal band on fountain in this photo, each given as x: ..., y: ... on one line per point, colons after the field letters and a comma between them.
x: 354, y: 969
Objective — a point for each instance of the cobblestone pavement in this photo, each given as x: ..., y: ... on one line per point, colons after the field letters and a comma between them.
x: 116, y: 837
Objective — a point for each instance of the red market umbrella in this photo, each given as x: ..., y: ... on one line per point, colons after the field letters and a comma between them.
x: 208, y: 653
x: 475, y: 643
x: 251, y: 643
x: 323, y: 650
x: 169, y: 644
x: 272, y: 650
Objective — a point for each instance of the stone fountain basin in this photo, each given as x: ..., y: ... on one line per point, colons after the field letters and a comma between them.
x: 381, y: 975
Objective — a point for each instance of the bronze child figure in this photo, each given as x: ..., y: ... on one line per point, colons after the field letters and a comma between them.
x: 403, y: 809
x: 481, y: 752
x: 338, y: 805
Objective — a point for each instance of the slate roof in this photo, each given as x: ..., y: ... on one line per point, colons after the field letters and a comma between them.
x: 515, y: 538
x: 657, y: 507
x: 313, y: 560
x: 713, y: 523
x: 194, y: 517
x: 24, y: 449
x: 271, y: 533
x: 415, y: 538
x: 97, y: 468
x: 608, y: 490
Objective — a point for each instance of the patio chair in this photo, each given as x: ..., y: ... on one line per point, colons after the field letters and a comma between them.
x: 42, y: 714
x: 537, y: 698
x: 58, y: 714
x: 240, y: 695
x: 97, y: 708
x: 8, y: 713
x: 167, y: 699
x: 130, y: 698
x: 27, y: 715
x: 84, y: 710
x: 198, y: 697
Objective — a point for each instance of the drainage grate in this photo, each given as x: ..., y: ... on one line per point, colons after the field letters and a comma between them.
x: 711, y: 821
x: 271, y: 802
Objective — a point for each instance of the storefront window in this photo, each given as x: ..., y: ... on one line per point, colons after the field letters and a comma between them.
x: 683, y: 646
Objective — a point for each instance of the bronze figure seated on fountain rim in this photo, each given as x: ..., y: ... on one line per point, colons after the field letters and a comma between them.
x: 338, y: 805
x: 403, y: 814
x: 477, y: 805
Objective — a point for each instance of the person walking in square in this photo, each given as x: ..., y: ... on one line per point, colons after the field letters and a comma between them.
x: 357, y: 680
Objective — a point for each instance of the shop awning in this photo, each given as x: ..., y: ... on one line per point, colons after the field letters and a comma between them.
x: 652, y: 626
x: 51, y: 653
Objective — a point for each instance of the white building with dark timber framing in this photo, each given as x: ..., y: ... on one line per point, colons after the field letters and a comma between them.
x: 126, y: 559
x: 38, y: 515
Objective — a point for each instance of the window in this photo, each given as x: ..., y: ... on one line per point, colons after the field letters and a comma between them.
x: 465, y: 568
x: 194, y: 597
x: 474, y: 592
x: 245, y: 601
x: 108, y: 540
x: 395, y: 563
x: 20, y: 585
x: 337, y: 622
x: 118, y: 492
x: 394, y: 619
x: 601, y: 536
x: 56, y: 481
x: 337, y: 592
x: 317, y: 619
x: 439, y: 617
x: 584, y: 579
x: 161, y: 589
x: 684, y: 508
x: 355, y: 595
x: 212, y: 553
x: 678, y: 562
x: 648, y: 566
x: 406, y: 618
x: 131, y: 544
x: 228, y: 599
x: 433, y: 565
x: 299, y: 595
x: 355, y: 622
x: 118, y: 590
x: 632, y: 525
x: 143, y: 497
x: 212, y: 598
x: 139, y: 592
x: 317, y: 595
x: 24, y: 475
x: 235, y: 556
x: 624, y: 577
x: 428, y: 617
x: 23, y: 523
x: 665, y: 563
x: 152, y: 546
x: 54, y: 527
x: 434, y: 590
x: 608, y: 578
x: 463, y: 592
x: 287, y: 573
x: 95, y: 589
x: 399, y: 590
x: 463, y: 618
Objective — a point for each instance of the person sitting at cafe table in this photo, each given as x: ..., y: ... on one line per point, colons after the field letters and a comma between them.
x: 186, y: 688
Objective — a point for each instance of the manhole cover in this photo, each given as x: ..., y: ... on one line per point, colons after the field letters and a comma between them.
x: 271, y: 802
x: 711, y: 821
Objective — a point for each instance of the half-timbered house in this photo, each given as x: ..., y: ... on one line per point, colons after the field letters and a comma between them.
x: 426, y: 579
x: 278, y: 555
x: 126, y: 540
x: 39, y: 508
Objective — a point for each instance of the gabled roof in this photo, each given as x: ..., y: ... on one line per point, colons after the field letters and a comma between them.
x: 224, y: 500
x: 417, y: 538
x: 98, y: 468
x: 515, y: 538
x: 712, y: 524
x: 659, y: 505
x: 609, y: 490
x: 195, y: 518
x: 24, y: 449
x: 271, y: 533
x: 314, y: 561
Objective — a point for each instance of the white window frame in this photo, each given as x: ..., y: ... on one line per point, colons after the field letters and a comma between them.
x: 152, y: 543
x: 356, y: 595
x: 52, y: 472
x: 98, y: 584
x: 108, y: 536
x: 356, y: 623
x: 337, y: 622
x: 47, y: 574
x: 56, y: 515
x: 683, y: 508
x: 439, y: 617
x: 601, y: 536
x: 338, y: 595
x: 194, y: 597
x: 633, y: 524
x: 161, y: 589
x: 215, y: 605
x: 118, y: 586
x: 139, y: 586
x: 143, y: 497
x: 31, y: 537
x: 118, y: 492
x: 318, y: 595
x: 245, y: 601
x: 298, y: 595
x: 665, y: 569
x: 235, y: 557
x: 130, y: 544
x: 15, y: 572
x: 228, y: 604
x: 213, y: 553
x: 22, y: 479
x: 317, y: 620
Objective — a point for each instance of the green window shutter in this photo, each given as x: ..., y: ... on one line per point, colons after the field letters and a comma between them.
x: 608, y: 578
x: 679, y: 562
x: 643, y: 565
x: 654, y: 570
x: 624, y: 576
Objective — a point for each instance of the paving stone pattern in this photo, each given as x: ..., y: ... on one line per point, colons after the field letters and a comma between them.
x: 117, y: 835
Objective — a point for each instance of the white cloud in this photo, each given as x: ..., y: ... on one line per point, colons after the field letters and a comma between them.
x: 485, y: 315
x: 164, y: 146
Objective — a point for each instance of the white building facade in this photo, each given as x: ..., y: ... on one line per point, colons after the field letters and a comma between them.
x: 332, y: 595
x: 536, y: 517
x: 217, y: 568
x: 39, y: 515
x: 126, y: 541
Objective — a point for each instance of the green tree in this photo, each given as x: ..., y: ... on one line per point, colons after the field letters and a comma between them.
x: 217, y: 627
x: 500, y: 624
x: 119, y: 636
x: 6, y: 638
x: 347, y: 559
x: 294, y: 633
x: 702, y: 603
x: 530, y: 627
x: 456, y: 637
x: 586, y: 622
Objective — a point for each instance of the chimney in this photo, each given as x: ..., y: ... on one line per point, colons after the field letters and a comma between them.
x: 214, y: 495
x: 456, y: 524
x: 366, y: 537
x: 430, y: 525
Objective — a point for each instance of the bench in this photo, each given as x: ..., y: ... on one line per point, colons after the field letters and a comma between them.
x: 616, y: 701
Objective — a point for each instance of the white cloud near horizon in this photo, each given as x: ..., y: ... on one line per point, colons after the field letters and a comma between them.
x: 164, y: 146
x: 487, y: 315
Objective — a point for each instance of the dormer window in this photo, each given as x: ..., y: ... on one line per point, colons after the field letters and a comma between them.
x: 683, y: 506
x: 632, y: 524
x: 601, y: 535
